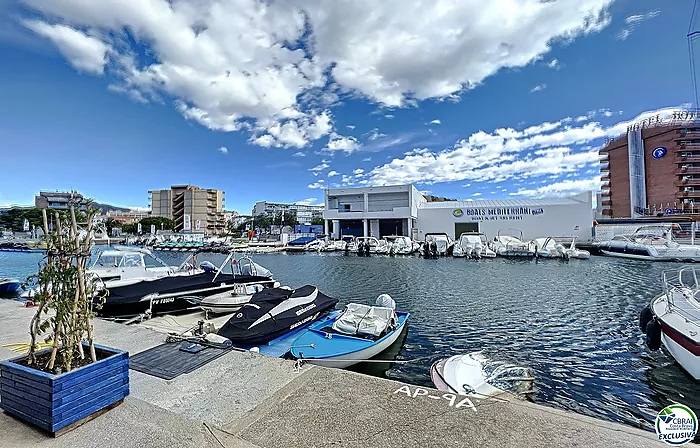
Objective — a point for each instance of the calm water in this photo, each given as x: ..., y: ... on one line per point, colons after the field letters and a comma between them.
x: 573, y: 323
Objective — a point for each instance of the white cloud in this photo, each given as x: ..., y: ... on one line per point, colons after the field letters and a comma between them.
x: 321, y: 166
x: 350, y: 126
x: 538, y: 87
x: 307, y: 201
x: 316, y: 185
x: 545, y: 149
x: 389, y: 116
x: 86, y: 53
x: 563, y: 188
x: 436, y: 121
x: 223, y: 150
x: 476, y: 194
x: 358, y: 171
x: 264, y: 140
x: 374, y: 134
x: 333, y: 173
x: 554, y: 64
x: 367, y: 159
x: 635, y: 20
x: 341, y: 143
x: 273, y: 68
x: 299, y: 154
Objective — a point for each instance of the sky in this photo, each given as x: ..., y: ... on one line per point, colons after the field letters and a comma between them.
x: 277, y: 100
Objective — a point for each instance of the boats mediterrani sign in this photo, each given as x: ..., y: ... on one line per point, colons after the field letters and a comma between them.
x: 497, y: 213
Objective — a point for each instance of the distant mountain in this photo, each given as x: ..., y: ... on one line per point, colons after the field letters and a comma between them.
x: 109, y: 208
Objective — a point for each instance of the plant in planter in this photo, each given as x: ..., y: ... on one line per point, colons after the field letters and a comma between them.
x: 73, y: 380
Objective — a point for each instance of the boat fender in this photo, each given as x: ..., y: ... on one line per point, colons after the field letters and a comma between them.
x: 218, y: 339
x: 645, y: 316
x: 653, y: 339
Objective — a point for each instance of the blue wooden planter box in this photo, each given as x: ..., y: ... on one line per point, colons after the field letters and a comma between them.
x: 53, y: 402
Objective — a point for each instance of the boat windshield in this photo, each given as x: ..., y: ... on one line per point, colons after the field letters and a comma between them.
x: 653, y: 232
x: 473, y: 239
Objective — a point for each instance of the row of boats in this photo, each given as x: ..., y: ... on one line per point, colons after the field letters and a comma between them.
x: 240, y: 304
x: 468, y: 245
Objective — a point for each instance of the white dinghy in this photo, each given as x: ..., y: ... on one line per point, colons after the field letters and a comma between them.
x: 475, y: 375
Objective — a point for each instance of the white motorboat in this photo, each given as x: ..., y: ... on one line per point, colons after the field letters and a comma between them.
x: 399, y: 245
x: 122, y: 263
x: 475, y: 375
x: 651, y: 243
x: 358, y: 333
x: 315, y: 246
x: 443, y: 243
x: 547, y: 248
x: 673, y: 318
x: 472, y: 245
x: 573, y: 252
x: 232, y: 301
x: 375, y: 246
x: 509, y: 243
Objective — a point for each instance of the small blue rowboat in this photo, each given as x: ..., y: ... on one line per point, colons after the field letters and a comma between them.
x: 342, y: 339
x: 9, y: 285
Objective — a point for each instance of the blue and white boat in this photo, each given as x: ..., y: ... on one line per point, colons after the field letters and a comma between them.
x: 356, y: 334
x: 9, y: 285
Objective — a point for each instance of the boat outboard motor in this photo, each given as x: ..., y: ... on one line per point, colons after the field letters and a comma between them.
x: 478, y: 248
x: 433, y: 249
x: 653, y: 339
x: 385, y: 301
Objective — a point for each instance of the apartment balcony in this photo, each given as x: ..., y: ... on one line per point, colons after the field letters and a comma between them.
x: 605, y: 193
x: 687, y: 134
x: 688, y: 194
x: 607, y: 212
x: 606, y: 203
x: 689, y: 157
x: 687, y: 182
x: 605, y: 177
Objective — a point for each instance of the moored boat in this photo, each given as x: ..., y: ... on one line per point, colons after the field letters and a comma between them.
x: 182, y: 290
x: 273, y: 312
x: 358, y: 333
x: 475, y: 375
x: 650, y: 243
x: 509, y: 243
x: 673, y: 318
x: 9, y: 285
x: 472, y: 245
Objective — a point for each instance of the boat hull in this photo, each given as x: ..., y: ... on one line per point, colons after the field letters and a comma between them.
x: 171, y: 294
x: 678, y: 335
x: 9, y: 287
x: 344, y: 360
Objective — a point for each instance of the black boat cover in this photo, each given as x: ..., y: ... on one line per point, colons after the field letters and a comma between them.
x: 273, y: 312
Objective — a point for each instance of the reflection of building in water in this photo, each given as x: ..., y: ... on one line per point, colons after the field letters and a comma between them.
x: 403, y: 210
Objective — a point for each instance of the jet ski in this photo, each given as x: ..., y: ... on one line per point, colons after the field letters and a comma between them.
x: 273, y: 312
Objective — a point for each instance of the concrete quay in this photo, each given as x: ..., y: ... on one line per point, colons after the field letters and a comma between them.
x: 246, y: 400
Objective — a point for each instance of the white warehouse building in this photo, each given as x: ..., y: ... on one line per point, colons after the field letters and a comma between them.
x: 403, y: 210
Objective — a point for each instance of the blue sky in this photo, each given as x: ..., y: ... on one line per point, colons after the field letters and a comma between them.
x: 114, y: 98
